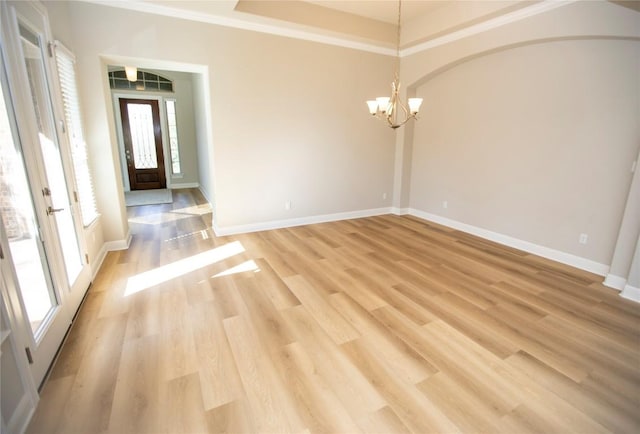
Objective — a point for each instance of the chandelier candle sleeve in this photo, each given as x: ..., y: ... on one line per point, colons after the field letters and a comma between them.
x: 373, y: 106
x: 414, y: 105
x: 383, y: 103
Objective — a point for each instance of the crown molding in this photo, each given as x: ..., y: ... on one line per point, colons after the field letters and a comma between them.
x: 276, y: 27
x: 493, y: 23
x: 266, y: 25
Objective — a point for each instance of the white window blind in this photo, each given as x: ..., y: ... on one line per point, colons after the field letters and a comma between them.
x: 65, y: 61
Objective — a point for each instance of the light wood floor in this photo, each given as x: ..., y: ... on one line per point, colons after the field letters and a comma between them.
x: 384, y: 324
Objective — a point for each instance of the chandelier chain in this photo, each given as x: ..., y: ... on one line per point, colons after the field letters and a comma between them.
x: 398, y: 38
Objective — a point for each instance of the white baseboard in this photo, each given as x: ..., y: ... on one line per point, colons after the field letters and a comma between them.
x: 399, y: 211
x: 21, y: 416
x: 176, y: 185
x: 545, y: 252
x: 205, y: 194
x: 279, y: 224
x: 97, y: 261
x: 631, y: 293
x: 108, y: 246
x: 615, y: 282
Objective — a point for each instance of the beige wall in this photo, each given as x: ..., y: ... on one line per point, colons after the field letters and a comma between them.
x: 287, y: 122
x: 288, y: 118
x: 534, y: 142
x: 555, y: 68
x: 204, y: 151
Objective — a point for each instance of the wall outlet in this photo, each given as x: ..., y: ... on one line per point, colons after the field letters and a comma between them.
x: 287, y: 205
x: 445, y: 204
x: 583, y: 238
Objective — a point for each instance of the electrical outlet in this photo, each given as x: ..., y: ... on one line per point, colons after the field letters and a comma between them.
x: 445, y: 204
x: 287, y: 205
x: 583, y: 238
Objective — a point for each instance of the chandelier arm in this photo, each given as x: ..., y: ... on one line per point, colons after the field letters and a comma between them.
x: 394, y: 126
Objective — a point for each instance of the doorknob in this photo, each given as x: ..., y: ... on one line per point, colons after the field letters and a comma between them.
x: 52, y: 210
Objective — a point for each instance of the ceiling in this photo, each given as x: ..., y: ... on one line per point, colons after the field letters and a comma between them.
x: 382, y: 10
x: 369, y: 25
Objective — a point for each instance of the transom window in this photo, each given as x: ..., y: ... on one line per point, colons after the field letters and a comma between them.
x: 147, y: 81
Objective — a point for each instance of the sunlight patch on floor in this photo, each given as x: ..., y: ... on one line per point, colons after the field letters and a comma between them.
x: 204, y: 233
x: 194, y: 210
x: 158, y: 218
x: 246, y: 266
x: 162, y: 274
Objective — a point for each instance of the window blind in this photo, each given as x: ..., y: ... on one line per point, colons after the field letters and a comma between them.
x: 65, y: 62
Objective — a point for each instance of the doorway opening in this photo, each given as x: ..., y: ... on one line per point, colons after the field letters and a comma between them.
x: 163, y: 136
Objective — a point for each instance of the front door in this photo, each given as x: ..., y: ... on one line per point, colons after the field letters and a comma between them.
x: 143, y: 143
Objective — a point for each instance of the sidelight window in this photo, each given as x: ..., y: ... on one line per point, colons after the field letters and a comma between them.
x: 172, y: 127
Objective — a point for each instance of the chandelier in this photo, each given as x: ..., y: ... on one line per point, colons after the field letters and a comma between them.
x: 391, y: 109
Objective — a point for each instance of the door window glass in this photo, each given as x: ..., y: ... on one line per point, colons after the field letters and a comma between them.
x: 142, y: 136
x: 19, y: 220
x: 60, y: 207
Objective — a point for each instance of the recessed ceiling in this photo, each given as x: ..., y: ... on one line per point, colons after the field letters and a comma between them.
x: 368, y: 25
x: 382, y: 10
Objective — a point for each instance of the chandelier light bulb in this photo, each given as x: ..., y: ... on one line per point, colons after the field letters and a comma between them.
x: 132, y: 73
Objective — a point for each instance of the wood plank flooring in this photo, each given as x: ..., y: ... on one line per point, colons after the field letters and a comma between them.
x: 385, y: 324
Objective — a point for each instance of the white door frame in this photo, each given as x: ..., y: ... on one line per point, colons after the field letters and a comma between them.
x: 69, y: 295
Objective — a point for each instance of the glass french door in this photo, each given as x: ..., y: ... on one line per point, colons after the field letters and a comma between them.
x: 47, y: 275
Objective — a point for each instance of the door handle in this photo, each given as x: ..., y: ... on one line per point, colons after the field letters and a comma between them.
x: 51, y: 210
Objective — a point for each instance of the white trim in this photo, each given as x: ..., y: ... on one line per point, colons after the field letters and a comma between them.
x: 615, y: 282
x: 484, y: 26
x: 205, y: 195
x: 184, y: 185
x: 631, y: 293
x: 301, y: 221
x: 273, y: 29
x: 399, y: 211
x: 96, y: 264
x: 22, y: 415
x: 111, y: 246
x: 526, y: 246
x: 545, y: 252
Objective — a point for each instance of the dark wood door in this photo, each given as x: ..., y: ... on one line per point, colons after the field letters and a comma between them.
x: 143, y: 143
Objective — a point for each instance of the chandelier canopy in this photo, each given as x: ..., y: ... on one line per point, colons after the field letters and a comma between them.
x: 392, y: 109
